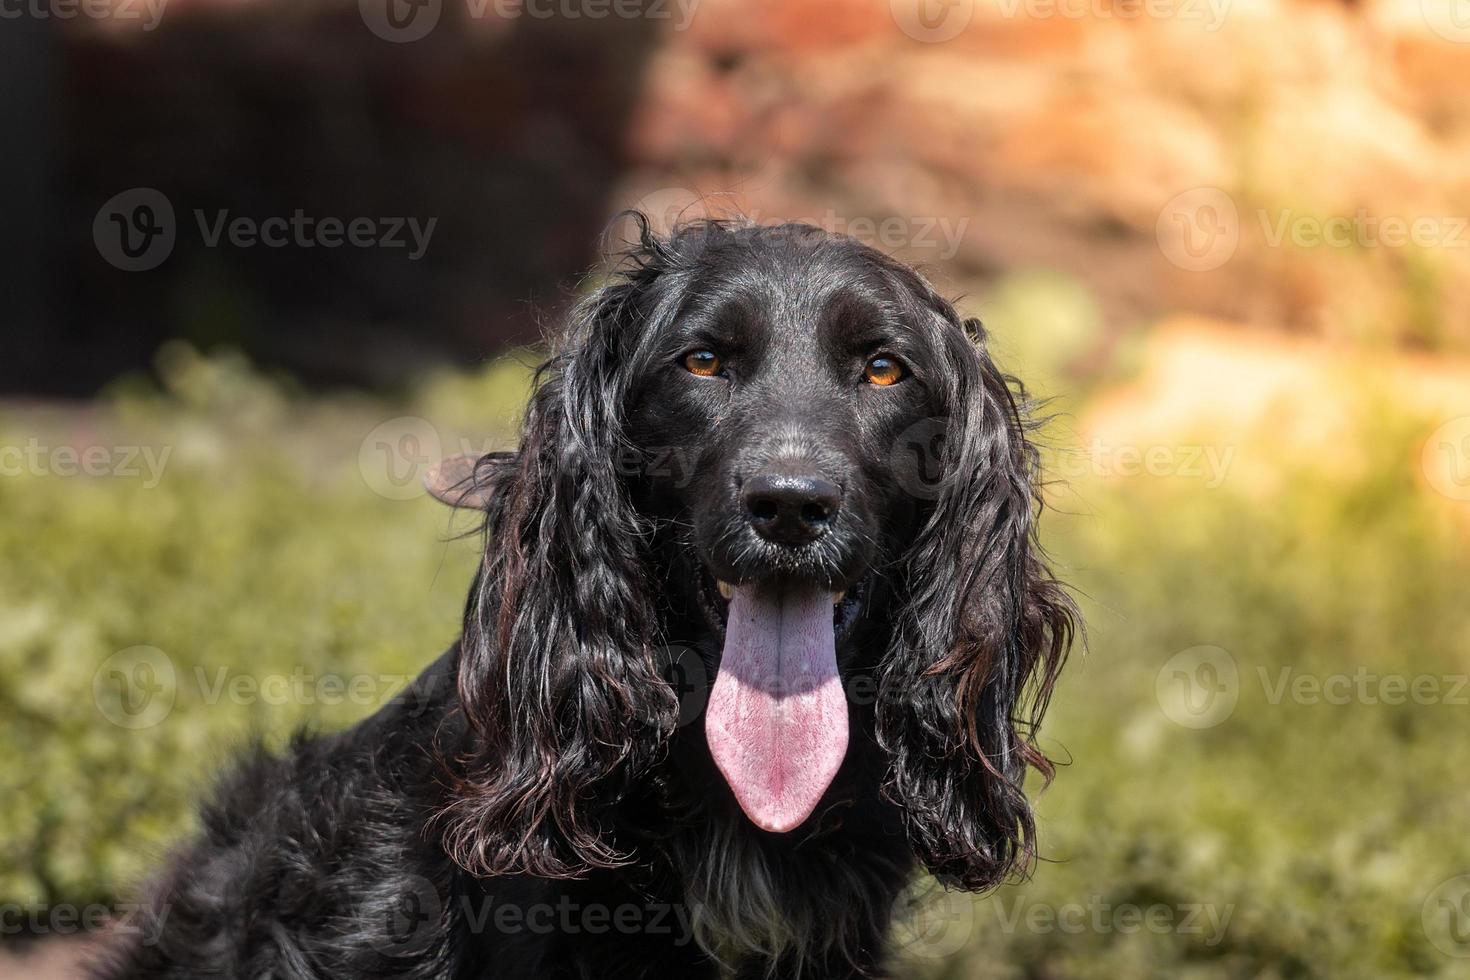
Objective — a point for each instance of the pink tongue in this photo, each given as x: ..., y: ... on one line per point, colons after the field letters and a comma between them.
x: 777, y: 718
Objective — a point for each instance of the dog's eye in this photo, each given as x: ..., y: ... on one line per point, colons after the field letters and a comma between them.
x: 884, y: 371
x: 704, y: 363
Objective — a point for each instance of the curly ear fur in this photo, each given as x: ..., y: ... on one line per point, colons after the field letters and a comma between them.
x: 981, y: 637
x: 556, y: 673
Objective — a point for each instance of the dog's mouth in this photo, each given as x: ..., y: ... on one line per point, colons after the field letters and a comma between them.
x: 715, y: 594
x: 776, y: 721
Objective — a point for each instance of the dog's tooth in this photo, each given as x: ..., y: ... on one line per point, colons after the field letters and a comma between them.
x: 837, y: 596
x: 726, y: 589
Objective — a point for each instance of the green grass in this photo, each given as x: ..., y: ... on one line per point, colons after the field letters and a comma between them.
x: 1291, y: 839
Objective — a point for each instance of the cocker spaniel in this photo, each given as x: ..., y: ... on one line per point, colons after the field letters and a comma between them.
x: 761, y: 631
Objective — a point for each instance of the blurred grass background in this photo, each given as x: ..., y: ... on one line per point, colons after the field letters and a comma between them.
x: 1288, y: 839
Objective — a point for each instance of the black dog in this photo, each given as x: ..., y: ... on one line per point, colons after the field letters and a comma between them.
x: 761, y: 629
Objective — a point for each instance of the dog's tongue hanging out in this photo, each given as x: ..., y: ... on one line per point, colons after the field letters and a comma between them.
x: 777, y: 718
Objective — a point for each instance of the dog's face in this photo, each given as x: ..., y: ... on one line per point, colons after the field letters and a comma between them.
x: 726, y: 445
x: 770, y: 415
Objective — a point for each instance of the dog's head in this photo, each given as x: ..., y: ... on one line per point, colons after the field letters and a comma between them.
x: 785, y: 449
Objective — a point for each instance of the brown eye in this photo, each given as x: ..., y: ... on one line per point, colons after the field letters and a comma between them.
x: 704, y: 363
x: 883, y: 371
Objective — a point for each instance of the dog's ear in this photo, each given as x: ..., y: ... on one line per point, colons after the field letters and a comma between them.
x: 980, y: 638
x: 465, y: 480
x: 556, y: 668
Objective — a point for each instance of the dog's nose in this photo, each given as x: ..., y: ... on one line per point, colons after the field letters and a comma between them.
x: 790, y: 509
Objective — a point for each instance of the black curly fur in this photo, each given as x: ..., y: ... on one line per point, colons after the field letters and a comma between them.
x: 532, y: 806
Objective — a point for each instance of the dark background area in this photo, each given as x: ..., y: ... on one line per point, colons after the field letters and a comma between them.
x: 510, y: 137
